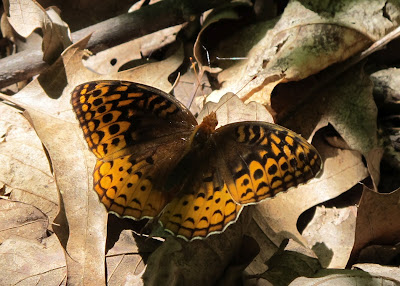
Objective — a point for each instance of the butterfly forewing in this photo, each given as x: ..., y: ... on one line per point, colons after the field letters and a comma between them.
x: 117, y: 116
x: 137, y: 133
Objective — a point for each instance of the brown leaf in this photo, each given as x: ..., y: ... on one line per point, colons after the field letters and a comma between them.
x: 137, y: 51
x: 191, y: 90
x: 392, y: 274
x: 224, y: 15
x: 330, y: 235
x: 328, y: 277
x: 68, y: 71
x: 373, y: 159
x: 24, y: 167
x: 18, y: 219
x: 231, y: 109
x: 348, y: 105
x: 83, y: 13
x: 386, y: 89
x: 377, y: 221
x: 153, y: 74
x: 124, y: 261
x: 81, y: 213
x: 289, y: 263
x: 28, y: 262
x: 26, y: 16
x: 82, y: 219
x: 301, y: 43
x: 200, y: 262
x: 379, y: 254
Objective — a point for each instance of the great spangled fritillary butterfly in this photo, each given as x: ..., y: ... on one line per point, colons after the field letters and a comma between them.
x: 153, y: 160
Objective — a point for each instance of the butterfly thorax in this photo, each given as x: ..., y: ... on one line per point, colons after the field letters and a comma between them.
x: 203, y: 131
x: 199, y: 145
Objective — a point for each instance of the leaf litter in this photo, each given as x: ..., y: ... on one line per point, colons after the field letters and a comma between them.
x: 286, y: 55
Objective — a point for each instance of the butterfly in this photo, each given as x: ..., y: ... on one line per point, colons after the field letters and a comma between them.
x: 155, y: 161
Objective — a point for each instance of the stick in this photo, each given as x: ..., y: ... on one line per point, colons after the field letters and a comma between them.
x: 110, y: 33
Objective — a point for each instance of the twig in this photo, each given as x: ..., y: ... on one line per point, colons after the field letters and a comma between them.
x: 110, y: 33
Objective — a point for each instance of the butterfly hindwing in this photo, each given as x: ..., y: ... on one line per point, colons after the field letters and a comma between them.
x: 202, y: 206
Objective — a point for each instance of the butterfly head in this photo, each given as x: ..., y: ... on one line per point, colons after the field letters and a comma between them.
x: 203, y: 131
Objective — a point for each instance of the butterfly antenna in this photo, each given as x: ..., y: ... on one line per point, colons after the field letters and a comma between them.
x: 254, y: 77
x: 193, y: 66
x: 221, y: 104
x: 198, y: 77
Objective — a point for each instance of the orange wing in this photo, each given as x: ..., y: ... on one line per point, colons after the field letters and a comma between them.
x: 260, y: 160
x: 138, y: 133
x: 203, y: 206
x: 242, y: 163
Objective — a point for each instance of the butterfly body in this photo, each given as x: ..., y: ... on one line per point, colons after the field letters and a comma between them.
x: 155, y: 161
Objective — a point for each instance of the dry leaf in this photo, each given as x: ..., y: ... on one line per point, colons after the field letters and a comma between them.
x: 386, y: 89
x: 348, y: 105
x: 154, y: 74
x: 124, y: 260
x: 392, y: 274
x: 111, y: 60
x: 28, y: 262
x: 81, y: 219
x: 22, y: 220
x: 377, y: 221
x: 70, y: 70
x: 380, y: 254
x: 305, y: 40
x: 24, y: 167
x: 80, y: 14
x: 343, y: 277
x: 192, y: 90
x: 200, y: 262
x: 82, y: 228
x: 373, y: 159
x: 224, y: 15
x: 231, y: 109
x: 289, y: 263
x: 330, y: 235
x: 26, y: 16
